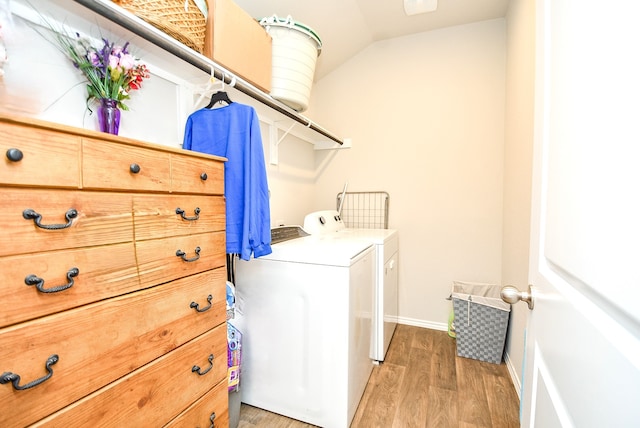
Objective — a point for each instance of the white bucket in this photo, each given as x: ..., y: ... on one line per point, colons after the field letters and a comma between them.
x: 295, y: 49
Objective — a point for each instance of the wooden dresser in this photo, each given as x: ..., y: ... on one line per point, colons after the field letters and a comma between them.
x: 112, y: 264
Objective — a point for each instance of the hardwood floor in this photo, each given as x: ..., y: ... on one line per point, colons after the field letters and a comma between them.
x: 422, y: 383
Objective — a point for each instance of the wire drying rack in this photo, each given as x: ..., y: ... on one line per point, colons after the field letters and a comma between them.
x: 364, y: 210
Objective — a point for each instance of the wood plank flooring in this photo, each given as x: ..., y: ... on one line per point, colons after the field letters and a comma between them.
x: 422, y: 383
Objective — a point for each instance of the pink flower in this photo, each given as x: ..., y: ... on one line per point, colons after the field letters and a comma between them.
x: 127, y: 61
x: 113, y: 62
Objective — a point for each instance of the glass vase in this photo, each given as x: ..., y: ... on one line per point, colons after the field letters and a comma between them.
x: 109, y: 116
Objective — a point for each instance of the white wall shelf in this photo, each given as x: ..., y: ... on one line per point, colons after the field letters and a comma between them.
x: 278, y: 130
x: 306, y: 129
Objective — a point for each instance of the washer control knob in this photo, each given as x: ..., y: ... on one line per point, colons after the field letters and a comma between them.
x: 322, y: 220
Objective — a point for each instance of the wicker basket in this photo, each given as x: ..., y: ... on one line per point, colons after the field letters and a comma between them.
x: 186, y: 26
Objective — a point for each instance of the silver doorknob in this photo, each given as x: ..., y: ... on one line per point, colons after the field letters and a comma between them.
x: 512, y: 295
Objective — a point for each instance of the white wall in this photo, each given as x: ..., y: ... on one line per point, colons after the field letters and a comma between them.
x: 426, y: 115
x: 518, y: 167
x: 41, y: 82
x: 292, y: 181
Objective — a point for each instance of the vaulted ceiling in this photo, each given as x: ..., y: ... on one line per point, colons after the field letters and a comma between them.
x: 348, y: 26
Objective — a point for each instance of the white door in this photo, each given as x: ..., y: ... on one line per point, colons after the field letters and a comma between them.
x: 582, y: 362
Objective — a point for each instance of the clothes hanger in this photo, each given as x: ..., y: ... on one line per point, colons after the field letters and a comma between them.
x: 220, y: 96
x: 212, y: 84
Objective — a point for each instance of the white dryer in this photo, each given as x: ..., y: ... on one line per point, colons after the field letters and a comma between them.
x: 385, y: 294
x: 305, y: 315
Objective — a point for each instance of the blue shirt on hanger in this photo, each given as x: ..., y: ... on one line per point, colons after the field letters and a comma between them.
x: 233, y: 131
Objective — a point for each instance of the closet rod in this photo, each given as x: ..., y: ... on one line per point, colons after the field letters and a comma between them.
x: 112, y: 12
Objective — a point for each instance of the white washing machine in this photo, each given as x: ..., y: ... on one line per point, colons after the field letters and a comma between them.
x: 385, y: 294
x: 304, y: 312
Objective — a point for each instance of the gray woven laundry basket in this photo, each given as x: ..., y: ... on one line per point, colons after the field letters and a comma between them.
x: 481, y: 319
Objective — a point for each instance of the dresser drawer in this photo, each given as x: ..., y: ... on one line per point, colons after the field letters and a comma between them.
x: 102, y: 342
x: 48, y: 158
x: 210, y: 410
x: 162, y: 260
x: 160, y: 216
x: 100, y: 272
x: 190, y: 174
x: 158, y: 391
x: 102, y: 218
x: 113, y: 166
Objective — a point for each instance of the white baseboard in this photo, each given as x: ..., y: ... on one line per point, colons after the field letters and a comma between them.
x: 515, y: 379
x: 422, y: 323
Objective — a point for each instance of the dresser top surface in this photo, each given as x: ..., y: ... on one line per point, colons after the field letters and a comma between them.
x: 42, y: 124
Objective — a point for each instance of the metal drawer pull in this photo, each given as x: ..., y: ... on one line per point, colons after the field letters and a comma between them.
x: 134, y: 168
x: 212, y: 418
x: 184, y: 257
x: 196, y: 212
x: 14, y: 155
x: 39, y: 282
x: 196, y: 306
x: 196, y: 369
x: 30, y: 214
x: 203, y: 176
x: 15, y: 378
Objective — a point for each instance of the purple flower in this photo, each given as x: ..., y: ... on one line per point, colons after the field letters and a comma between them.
x: 110, y: 70
x: 94, y: 59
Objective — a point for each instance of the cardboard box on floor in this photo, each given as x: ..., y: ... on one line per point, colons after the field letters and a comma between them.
x: 239, y: 43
